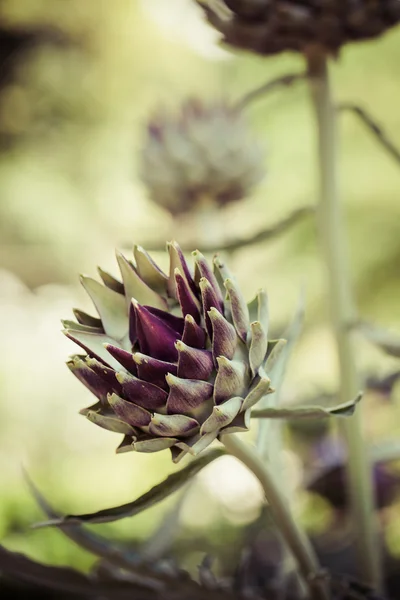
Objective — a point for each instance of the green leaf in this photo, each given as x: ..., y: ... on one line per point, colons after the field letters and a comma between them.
x: 268, y: 437
x: 164, y: 489
x: 387, y: 341
x: 346, y: 409
x: 96, y: 544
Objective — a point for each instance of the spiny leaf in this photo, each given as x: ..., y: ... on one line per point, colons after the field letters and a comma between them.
x: 164, y: 489
x: 385, y: 340
x: 346, y: 409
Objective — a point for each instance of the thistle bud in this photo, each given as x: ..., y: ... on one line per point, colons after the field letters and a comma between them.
x: 204, y: 152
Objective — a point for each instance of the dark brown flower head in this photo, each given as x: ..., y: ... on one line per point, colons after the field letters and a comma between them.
x: 174, y: 360
x: 272, y: 26
x: 201, y: 153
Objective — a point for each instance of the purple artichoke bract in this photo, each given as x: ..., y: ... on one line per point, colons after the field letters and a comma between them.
x: 271, y: 26
x: 174, y: 360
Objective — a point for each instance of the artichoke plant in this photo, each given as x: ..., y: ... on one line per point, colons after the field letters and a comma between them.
x: 272, y: 26
x: 204, y: 153
x: 174, y: 360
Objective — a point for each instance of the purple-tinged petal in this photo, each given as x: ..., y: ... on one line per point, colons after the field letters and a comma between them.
x: 106, y: 373
x: 123, y: 357
x: 221, y: 416
x: 231, y: 380
x: 125, y: 445
x: 149, y: 271
x: 109, y: 422
x: 110, y: 305
x: 175, y: 323
x: 86, y: 319
x: 142, y: 393
x: 193, y: 334
x: 154, y: 444
x: 173, y: 425
x: 93, y: 343
x: 133, y: 334
x: 186, y: 394
x: 187, y: 300
x: 129, y: 412
x: 155, y: 337
x: 238, y: 309
x: 194, y: 363
x: 224, y: 338
x: 209, y: 301
x: 239, y: 424
x: 192, y: 446
x: 135, y: 287
x: 177, y: 261
x: 203, y: 270
x: 96, y: 384
x: 260, y: 388
x: 154, y: 370
x: 258, y: 346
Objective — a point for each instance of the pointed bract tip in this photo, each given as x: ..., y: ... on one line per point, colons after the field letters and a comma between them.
x: 170, y: 378
x: 112, y: 398
x: 121, y: 377
x: 137, y: 358
x: 203, y: 283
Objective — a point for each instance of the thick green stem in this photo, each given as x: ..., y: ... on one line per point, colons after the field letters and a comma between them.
x: 294, y: 537
x: 341, y: 313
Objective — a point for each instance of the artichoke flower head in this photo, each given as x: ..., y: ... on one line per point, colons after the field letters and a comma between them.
x: 174, y: 360
x: 271, y: 26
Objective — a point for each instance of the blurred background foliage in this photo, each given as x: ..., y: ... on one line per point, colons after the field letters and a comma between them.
x: 78, y: 81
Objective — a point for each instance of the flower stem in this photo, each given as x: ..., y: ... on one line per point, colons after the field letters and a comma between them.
x: 341, y: 313
x: 294, y: 537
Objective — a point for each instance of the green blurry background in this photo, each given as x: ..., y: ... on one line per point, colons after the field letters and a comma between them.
x: 78, y: 81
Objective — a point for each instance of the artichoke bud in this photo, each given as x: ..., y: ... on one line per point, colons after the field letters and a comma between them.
x: 271, y: 26
x: 202, y: 154
x: 173, y: 360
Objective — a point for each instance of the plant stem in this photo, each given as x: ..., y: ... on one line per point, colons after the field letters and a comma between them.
x: 283, y: 80
x: 294, y: 537
x: 330, y: 227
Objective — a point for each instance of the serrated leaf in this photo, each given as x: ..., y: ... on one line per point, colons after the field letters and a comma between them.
x: 164, y: 489
x: 387, y: 341
x: 346, y: 409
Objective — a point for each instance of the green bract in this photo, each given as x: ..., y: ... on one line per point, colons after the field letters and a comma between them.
x: 174, y: 360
